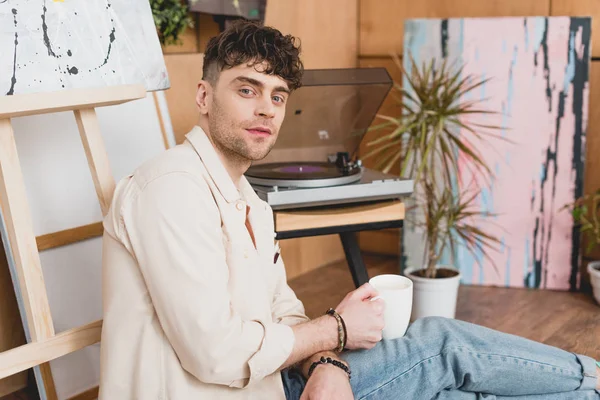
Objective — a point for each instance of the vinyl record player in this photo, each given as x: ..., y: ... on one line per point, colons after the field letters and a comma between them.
x: 315, y: 159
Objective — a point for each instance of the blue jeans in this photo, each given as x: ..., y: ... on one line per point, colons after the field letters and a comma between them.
x: 447, y: 359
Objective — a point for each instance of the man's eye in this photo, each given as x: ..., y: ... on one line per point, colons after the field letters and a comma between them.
x: 279, y: 99
x: 246, y: 91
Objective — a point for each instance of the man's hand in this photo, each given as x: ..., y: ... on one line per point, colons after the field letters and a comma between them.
x: 328, y: 382
x: 363, y: 317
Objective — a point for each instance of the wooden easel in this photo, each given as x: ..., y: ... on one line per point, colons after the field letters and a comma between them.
x: 43, y: 344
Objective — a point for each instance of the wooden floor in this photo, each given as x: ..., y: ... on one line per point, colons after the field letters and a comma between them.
x: 567, y: 320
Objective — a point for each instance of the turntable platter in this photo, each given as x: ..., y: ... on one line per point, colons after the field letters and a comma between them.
x: 300, y: 174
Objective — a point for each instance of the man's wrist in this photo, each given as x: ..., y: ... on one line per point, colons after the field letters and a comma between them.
x: 331, y: 328
x: 315, y: 358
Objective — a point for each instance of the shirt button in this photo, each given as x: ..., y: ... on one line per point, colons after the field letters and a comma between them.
x: 239, y: 206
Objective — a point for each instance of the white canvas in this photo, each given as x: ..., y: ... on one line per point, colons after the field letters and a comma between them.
x: 50, y: 45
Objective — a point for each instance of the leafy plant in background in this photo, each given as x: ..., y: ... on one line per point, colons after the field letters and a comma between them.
x: 425, y: 140
x: 586, y: 214
x: 171, y: 18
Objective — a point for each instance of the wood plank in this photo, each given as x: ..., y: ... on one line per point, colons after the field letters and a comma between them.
x: 592, y: 162
x: 207, y: 28
x: 188, y: 40
x: 75, y: 99
x: 18, y: 223
x: 95, y: 151
x: 69, y: 236
x: 391, y: 107
x: 15, y: 207
x: 48, y: 379
x: 580, y: 8
x: 12, y: 384
x: 303, y: 255
x: 161, y: 122
x: 185, y: 71
x: 337, y: 216
x: 385, y: 241
x: 11, y: 333
x: 382, y: 21
x: 317, y: 21
x: 36, y: 353
x: 90, y: 394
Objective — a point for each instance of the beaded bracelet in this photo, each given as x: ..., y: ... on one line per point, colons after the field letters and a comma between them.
x: 331, y: 361
x: 342, y: 334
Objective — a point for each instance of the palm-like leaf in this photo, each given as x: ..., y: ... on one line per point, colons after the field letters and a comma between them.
x: 434, y: 134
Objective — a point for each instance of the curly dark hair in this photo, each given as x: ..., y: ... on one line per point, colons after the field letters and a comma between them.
x: 247, y: 42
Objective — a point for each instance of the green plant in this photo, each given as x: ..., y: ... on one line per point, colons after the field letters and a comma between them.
x: 586, y: 214
x: 171, y: 18
x: 426, y: 141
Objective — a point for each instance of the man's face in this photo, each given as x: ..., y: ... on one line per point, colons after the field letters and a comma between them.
x: 246, y: 110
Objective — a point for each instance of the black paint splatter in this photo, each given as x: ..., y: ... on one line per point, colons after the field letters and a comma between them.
x: 544, y: 45
x: 45, y: 30
x: 13, y: 80
x: 73, y: 71
x: 539, y: 232
x: 69, y: 53
x: 444, y: 36
x: 580, y: 81
x: 112, y: 39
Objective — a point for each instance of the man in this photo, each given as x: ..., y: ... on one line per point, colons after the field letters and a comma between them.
x: 196, y: 308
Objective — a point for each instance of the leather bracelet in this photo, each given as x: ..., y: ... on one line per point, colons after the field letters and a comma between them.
x: 341, y: 329
x: 331, y: 361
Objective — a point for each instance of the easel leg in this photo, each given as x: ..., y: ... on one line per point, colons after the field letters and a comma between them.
x: 15, y: 208
x: 91, y: 137
x: 354, y: 258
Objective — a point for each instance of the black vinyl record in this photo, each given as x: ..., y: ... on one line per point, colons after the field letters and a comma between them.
x: 295, y: 171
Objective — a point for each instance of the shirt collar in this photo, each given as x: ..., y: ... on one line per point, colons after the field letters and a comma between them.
x: 203, y: 146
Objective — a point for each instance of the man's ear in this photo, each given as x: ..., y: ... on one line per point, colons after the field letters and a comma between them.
x: 203, y: 96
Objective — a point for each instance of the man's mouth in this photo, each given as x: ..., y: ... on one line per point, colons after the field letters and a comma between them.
x: 259, y: 130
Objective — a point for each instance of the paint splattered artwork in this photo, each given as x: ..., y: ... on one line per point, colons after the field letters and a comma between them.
x: 50, y: 45
x: 539, y: 85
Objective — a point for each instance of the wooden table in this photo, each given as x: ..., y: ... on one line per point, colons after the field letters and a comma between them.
x: 345, y: 220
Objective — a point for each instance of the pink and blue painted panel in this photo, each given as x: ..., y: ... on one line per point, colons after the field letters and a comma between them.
x: 539, y: 70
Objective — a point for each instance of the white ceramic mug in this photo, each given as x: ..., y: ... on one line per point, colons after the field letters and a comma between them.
x: 397, y: 294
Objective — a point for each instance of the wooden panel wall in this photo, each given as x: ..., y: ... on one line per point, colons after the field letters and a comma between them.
x: 581, y: 8
x: 381, y: 34
x: 381, y: 21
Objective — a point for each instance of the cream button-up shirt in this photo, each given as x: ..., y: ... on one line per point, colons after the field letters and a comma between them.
x: 192, y: 309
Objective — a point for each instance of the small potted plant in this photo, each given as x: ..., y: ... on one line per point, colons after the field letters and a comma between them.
x: 586, y: 214
x: 172, y: 19
x: 433, y: 138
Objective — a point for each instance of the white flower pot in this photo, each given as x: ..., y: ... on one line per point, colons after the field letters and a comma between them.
x: 595, y: 278
x: 434, y: 297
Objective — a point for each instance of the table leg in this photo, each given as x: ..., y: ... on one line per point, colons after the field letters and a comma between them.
x: 354, y: 258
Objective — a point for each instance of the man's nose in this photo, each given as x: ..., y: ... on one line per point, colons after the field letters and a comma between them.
x: 265, y: 108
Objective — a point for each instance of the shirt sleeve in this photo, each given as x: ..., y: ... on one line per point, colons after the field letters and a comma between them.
x: 287, y: 308
x: 174, y: 227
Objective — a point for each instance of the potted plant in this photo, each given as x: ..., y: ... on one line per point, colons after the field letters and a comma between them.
x: 172, y: 19
x: 586, y: 214
x: 425, y: 140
